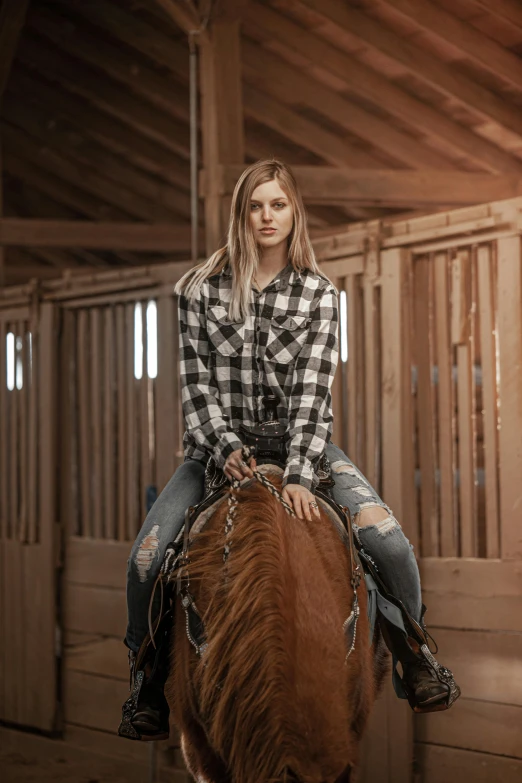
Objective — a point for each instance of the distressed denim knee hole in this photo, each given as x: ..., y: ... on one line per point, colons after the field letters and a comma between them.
x: 147, y: 553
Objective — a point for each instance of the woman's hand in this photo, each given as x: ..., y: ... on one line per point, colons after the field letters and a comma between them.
x: 299, y: 498
x: 235, y: 467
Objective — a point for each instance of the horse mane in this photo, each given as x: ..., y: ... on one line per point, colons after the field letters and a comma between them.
x: 273, y: 615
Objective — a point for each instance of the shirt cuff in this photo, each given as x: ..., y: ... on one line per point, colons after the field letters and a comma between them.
x: 228, y: 443
x: 300, y: 471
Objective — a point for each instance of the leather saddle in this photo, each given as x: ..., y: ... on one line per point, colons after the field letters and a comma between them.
x: 268, y: 442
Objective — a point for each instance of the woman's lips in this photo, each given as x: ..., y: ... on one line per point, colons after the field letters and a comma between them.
x: 268, y: 230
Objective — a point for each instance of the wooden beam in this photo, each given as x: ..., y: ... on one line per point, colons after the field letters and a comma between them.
x: 290, y: 85
x: 134, y: 31
x: 261, y: 21
x: 421, y: 63
x: 113, y: 133
x: 222, y: 119
x: 83, y: 176
x: 72, y: 145
x: 12, y: 20
x: 104, y: 93
x: 122, y: 65
x: 183, y: 13
x: 64, y: 194
x: 325, y: 185
x: 508, y: 10
x: 464, y: 37
x: 157, y: 237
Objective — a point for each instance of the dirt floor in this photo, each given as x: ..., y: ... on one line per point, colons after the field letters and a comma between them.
x: 27, y: 758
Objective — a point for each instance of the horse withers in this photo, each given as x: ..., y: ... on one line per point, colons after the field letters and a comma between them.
x: 272, y: 692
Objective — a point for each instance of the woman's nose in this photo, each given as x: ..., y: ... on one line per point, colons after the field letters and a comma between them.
x: 267, y: 214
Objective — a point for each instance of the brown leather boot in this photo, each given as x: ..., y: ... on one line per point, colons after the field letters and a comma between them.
x: 145, y: 714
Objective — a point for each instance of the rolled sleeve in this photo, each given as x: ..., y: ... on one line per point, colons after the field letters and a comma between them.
x: 202, y: 409
x: 310, y: 415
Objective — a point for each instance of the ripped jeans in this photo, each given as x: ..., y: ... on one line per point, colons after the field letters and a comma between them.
x: 384, y: 541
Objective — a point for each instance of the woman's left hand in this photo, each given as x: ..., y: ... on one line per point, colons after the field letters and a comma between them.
x: 299, y: 498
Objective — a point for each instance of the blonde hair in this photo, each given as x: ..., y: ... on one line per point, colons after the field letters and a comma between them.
x: 242, y: 250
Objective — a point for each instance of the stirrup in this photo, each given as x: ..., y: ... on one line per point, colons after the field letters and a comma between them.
x: 398, y: 626
x: 399, y: 643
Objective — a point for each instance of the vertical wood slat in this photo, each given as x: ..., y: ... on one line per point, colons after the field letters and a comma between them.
x: 462, y: 332
x: 41, y: 616
x: 179, y: 421
x: 337, y: 388
x: 84, y: 416
x: 166, y: 412
x: 109, y: 433
x: 33, y: 490
x: 132, y: 482
x: 14, y: 443
x: 510, y: 352
x: 397, y: 447
x: 4, y: 444
x: 447, y: 495
x: 370, y: 385
x: 68, y: 456
x: 121, y: 369
x: 22, y: 468
x: 425, y: 407
x: 351, y: 370
x: 98, y: 506
x: 486, y: 306
x: 4, y: 595
x: 143, y: 414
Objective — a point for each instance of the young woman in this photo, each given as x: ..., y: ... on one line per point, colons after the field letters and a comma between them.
x: 257, y: 318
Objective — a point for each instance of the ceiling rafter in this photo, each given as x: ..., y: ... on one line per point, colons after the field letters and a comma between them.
x: 370, y: 85
x: 466, y: 38
x: 422, y: 64
x: 12, y: 19
x: 289, y: 85
x: 61, y: 191
x: 106, y: 94
x: 113, y: 133
x: 83, y: 177
x: 184, y: 13
x: 509, y: 10
x: 75, y: 147
x: 134, y: 72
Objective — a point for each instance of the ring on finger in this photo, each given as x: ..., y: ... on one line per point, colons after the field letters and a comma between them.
x: 313, y: 504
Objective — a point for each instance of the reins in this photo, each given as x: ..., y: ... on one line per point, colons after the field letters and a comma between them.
x: 182, y: 561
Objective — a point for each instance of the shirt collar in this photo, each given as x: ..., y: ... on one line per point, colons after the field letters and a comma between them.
x: 285, y: 277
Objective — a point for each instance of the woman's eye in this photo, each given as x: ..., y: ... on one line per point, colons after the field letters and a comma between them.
x: 254, y: 206
x: 280, y: 205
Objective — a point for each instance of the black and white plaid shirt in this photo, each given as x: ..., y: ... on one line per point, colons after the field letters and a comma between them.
x: 287, y: 346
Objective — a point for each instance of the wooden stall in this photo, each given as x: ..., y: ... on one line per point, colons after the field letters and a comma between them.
x: 427, y: 400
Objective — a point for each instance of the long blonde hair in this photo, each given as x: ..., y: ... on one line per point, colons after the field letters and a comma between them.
x: 242, y: 250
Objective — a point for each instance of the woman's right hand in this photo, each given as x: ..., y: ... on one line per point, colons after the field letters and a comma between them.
x: 235, y: 467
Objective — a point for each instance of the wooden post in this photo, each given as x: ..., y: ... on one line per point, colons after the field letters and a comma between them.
x: 397, y: 461
x: 510, y: 360
x: 222, y: 119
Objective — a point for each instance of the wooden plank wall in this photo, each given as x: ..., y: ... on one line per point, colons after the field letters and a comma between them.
x: 28, y: 550
x: 123, y: 438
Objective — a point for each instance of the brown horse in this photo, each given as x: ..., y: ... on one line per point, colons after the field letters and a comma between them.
x: 273, y: 698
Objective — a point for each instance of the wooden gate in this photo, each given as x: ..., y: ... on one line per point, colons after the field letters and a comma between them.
x: 121, y: 440
x: 29, y: 546
x: 428, y: 401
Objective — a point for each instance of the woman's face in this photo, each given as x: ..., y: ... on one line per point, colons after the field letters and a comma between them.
x: 271, y: 214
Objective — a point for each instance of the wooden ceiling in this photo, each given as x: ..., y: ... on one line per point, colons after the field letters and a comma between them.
x: 95, y: 114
